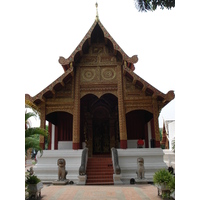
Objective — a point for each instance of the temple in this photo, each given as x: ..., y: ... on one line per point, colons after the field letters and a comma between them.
x: 99, y: 101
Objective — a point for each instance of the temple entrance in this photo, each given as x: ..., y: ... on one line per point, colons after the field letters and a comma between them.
x: 99, y: 123
x: 101, y: 137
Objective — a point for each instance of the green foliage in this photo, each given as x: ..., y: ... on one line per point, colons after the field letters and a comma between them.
x: 162, y: 176
x: 162, y: 146
x: 32, y: 179
x: 160, y: 131
x: 173, y: 145
x: 165, y: 195
x: 32, y: 134
x: 31, y: 139
x: 172, y: 184
x: 151, y: 5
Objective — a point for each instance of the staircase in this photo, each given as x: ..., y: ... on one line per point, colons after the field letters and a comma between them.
x: 99, y: 171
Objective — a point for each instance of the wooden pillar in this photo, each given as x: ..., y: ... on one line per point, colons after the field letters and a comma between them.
x: 56, y: 138
x: 155, y: 123
x: 146, y: 136
x: 121, y: 110
x: 50, y: 135
x: 42, y: 125
x: 76, y: 116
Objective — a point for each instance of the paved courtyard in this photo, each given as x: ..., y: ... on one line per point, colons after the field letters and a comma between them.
x: 75, y: 192
x: 98, y: 192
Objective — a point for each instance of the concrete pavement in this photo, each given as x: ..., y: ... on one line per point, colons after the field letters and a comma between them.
x: 98, y: 192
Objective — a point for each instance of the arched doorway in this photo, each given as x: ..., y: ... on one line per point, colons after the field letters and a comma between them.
x: 63, y: 125
x: 137, y: 126
x: 99, y: 123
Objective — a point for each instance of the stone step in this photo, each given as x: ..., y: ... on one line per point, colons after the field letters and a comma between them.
x: 100, y: 183
x: 92, y: 173
x: 99, y: 168
x: 92, y: 176
x: 99, y: 171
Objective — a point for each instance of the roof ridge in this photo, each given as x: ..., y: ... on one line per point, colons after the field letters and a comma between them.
x: 65, y: 62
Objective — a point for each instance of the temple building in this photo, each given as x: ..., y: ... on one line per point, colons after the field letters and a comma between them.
x: 99, y: 101
x: 99, y: 98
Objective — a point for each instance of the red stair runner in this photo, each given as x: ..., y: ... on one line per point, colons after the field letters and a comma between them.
x: 99, y: 171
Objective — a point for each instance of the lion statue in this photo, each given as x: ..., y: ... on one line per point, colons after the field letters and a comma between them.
x: 140, y: 168
x: 62, y: 173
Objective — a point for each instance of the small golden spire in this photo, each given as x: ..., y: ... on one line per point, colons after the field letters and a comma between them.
x: 97, y: 15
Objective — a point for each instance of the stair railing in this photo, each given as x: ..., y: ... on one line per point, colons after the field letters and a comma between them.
x: 116, y: 167
x: 84, y: 159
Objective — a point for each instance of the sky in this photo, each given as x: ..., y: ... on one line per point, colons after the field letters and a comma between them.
x: 55, y: 28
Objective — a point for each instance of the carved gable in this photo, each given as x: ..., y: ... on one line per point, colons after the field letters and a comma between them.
x: 131, y: 90
x: 98, y: 65
x: 65, y: 92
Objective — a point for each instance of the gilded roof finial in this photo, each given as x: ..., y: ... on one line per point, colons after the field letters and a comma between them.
x: 97, y: 15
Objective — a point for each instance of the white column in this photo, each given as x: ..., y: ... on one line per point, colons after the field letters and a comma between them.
x: 149, y: 133
x: 52, y: 137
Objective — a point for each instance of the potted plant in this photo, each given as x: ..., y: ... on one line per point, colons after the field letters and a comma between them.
x: 162, y: 179
x: 172, y: 187
x: 34, y: 185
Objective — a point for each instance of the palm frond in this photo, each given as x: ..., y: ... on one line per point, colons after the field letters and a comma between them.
x: 31, y: 142
x: 27, y: 119
x: 28, y: 115
x: 36, y: 131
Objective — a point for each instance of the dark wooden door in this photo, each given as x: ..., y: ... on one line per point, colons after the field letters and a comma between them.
x: 101, y: 137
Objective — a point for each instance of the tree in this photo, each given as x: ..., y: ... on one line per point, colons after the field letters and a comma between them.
x: 151, y: 5
x: 173, y: 145
x: 160, y: 131
x: 31, y: 134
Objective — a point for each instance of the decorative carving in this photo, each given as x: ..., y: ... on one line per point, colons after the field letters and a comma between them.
x: 98, y: 92
x: 62, y: 173
x: 68, y: 109
x: 134, y: 59
x: 108, y: 73
x: 31, y: 171
x: 89, y: 59
x: 88, y: 74
x: 97, y: 50
x: 140, y: 168
x: 105, y: 59
x: 138, y: 107
x: 98, y: 74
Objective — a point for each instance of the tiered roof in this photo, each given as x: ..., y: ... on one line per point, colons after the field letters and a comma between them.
x: 128, y: 67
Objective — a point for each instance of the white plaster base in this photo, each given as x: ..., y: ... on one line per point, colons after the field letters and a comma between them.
x: 153, y: 161
x: 117, y: 179
x: 60, y: 182
x: 64, y: 145
x: 141, y: 181
x: 169, y: 158
x: 82, y: 180
x: 47, y: 170
x: 133, y: 143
